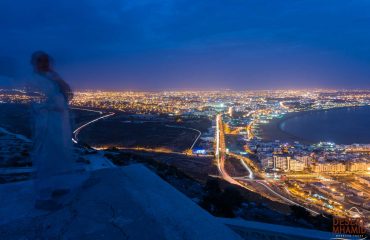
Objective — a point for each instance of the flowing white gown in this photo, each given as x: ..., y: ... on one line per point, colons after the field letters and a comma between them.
x: 52, y: 154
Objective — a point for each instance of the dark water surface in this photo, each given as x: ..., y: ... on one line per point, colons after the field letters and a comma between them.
x: 341, y: 125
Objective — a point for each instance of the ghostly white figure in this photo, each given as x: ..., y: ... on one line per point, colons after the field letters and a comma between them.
x: 52, y: 151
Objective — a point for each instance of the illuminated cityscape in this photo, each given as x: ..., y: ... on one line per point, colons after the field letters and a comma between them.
x: 194, y: 120
x: 322, y: 177
x: 208, y: 102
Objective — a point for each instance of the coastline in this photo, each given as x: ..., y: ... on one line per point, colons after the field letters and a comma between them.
x: 273, y: 131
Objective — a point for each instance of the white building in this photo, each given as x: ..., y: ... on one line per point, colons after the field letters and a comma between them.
x: 328, y: 167
x: 281, y: 162
x: 296, y: 165
x: 359, y: 166
x: 267, y: 162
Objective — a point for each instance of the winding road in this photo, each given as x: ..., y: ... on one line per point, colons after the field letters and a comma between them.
x: 196, y: 139
x: 221, y: 157
x: 77, y: 130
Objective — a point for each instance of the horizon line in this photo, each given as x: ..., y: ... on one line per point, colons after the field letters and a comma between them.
x: 220, y: 90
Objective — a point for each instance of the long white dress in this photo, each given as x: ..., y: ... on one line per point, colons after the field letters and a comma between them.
x: 52, y: 151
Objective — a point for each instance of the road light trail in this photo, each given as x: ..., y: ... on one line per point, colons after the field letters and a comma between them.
x: 243, y: 161
x: 85, y: 109
x: 77, y: 131
x: 221, y: 154
x: 282, y: 105
x: 196, y: 139
x: 220, y: 157
x: 286, y: 199
x: 251, y: 175
x: 272, y: 191
x: 74, y: 139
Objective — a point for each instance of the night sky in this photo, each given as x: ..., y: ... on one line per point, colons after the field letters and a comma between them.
x: 193, y: 44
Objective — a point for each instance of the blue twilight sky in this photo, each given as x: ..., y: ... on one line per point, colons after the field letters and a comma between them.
x: 192, y: 44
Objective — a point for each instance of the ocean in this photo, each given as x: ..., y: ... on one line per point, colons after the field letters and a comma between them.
x: 341, y: 125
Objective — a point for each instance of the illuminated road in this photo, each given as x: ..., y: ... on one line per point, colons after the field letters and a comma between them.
x: 251, y: 175
x: 77, y: 131
x: 15, y: 170
x: 286, y: 199
x: 282, y: 105
x: 221, y: 157
x: 250, y: 167
x: 196, y: 139
x: 221, y: 153
x: 359, y: 187
x: 89, y: 110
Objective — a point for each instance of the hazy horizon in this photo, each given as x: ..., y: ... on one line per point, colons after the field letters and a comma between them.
x: 220, y: 89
